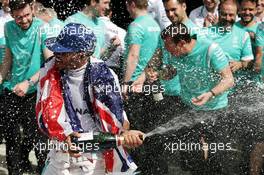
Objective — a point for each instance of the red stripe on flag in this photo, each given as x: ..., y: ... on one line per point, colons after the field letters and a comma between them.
x: 52, y: 105
x: 109, y: 160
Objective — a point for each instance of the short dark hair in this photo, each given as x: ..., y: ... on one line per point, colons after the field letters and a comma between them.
x: 19, y: 4
x: 235, y: 2
x: 177, y: 32
x: 179, y: 1
x: 141, y: 4
x: 253, y: 1
x: 88, y: 3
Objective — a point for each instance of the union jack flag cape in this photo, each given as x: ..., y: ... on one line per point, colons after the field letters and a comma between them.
x: 56, y: 116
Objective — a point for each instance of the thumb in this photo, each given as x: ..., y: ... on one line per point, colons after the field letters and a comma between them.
x: 75, y: 134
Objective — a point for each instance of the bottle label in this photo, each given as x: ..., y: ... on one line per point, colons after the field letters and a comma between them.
x: 86, y: 136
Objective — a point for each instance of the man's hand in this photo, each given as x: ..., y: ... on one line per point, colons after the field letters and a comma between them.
x: 72, y: 149
x: 124, y: 90
x: 133, y: 138
x: 257, y: 66
x: 202, y: 99
x: 210, y: 19
x: 126, y: 125
x: 235, y: 65
x: 21, y: 88
x: 115, y: 41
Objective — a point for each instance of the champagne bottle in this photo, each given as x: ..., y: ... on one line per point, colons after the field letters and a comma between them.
x: 97, y: 141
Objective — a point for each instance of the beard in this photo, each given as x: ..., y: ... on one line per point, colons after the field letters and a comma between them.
x: 226, y: 24
x: 247, y: 21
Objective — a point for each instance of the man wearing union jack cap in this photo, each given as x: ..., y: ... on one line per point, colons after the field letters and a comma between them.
x: 78, y: 93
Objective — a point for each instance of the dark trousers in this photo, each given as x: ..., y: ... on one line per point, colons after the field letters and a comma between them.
x: 20, y: 111
x: 145, y: 114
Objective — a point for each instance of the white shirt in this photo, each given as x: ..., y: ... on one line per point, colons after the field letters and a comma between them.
x: 157, y: 11
x: 113, y: 30
x: 198, y: 15
x: 75, y: 83
x: 4, y: 17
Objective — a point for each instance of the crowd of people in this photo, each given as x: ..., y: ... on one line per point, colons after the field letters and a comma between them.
x: 85, y: 74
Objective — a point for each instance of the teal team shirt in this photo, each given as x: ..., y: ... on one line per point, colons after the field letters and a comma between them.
x: 2, y: 54
x: 172, y: 87
x: 26, y: 48
x: 2, y: 49
x: 260, y: 43
x: 249, y: 29
x: 143, y: 31
x: 236, y: 45
x: 250, y: 74
x: 53, y: 28
x: 199, y: 73
x: 95, y: 24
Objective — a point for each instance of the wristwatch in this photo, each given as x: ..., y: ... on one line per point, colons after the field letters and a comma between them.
x: 30, y: 82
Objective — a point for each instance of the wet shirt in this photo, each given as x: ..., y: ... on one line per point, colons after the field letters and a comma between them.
x: 172, y: 87
x: 26, y: 48
x: 236, y: 44
x: 143, y: 31
x: 113, y: 30
x: 4, y: 17
x: 199, y: 73
x: 53, y: 28
x: 157, y: 11
x: 75, y: 82
x: 260, y: 42
x: 95, y: 24
x: 252, y: 29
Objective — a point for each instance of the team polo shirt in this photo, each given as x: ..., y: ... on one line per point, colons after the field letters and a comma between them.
x: 157, y: 11
x: 53, y: 27
x: 143, y: 31
x: 236, y: 45
x: 260, y: 43
x: 249, y: 29
x: 199, y: 72
x: 95, y: 24
x: 26, y: 48
x: 172, y: 87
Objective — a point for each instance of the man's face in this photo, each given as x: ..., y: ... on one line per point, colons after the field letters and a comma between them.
x: 247, y: 11
x: 67, y: 61
x: 175, y: 11
x: 210, y: 4
x: 227, y: 15
x: 4, y: 2
x: 130, y: 8
x: 23, y: 17
x: 103, y: 6
x: 174, y: 49
x: 260, y: 6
